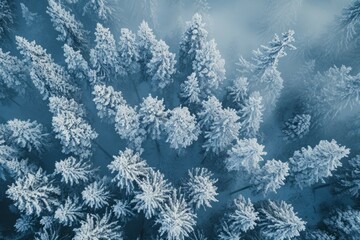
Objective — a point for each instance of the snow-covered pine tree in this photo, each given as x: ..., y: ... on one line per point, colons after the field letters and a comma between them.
x: 104, y: 56
x: 46, y: 234
x: 107, y: 100
x: 224, y: 129
x: 96, y: 195
x: 193, y: 39
x: 190, y: 90
x: 262, y: 72
x: 297, y: 127
x: 346, y: 28
x: 146, y: 41
x: 209, y: 67
x: 34, y: 193
x: 154, y: 191
x: 238, y: 91
x: 75, y: 62
x: 70, y: 212
x: 161, y: 67
x: 311, y: 165
x: 243, y: 216
x: 26, y: 135
x: 270, y: 177
x: 71, y: 31
x: 18, y: 168
x: 29, y: 16
x: 95, y: 227
x: 181, y: 128
x: 251, y: 115
x: 280, y: 15
x: 122, y: 209
x: 226, y: 233
x: 210, y: 110
x: 200, y: 188
x: 245, y: 155
x: 344, y: 224
x: 12, y: 72
x: 102, y: 9
x: 129, y: 169
x: 74, y: 133
x: 128, y: 51
x: 48, y: 77
x: 279, y: 221
x: 24, y: 223
x: 153, y: 116
x: 349, y: 178
x: 74, y: 171
x: 63, y: 105
x: 176, y: 219
x: 6, y: 17
x: 336, y: 92
x: 127, y: 125
x: 318, y: 235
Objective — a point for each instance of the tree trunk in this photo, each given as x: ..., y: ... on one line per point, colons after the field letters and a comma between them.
x: 241, y: 189
x: 103, y: 150
x: 321, y: 186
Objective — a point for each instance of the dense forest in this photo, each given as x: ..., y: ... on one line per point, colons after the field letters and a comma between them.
x: 179, y: 119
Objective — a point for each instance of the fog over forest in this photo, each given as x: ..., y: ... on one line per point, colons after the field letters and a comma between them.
x: 179, y: 119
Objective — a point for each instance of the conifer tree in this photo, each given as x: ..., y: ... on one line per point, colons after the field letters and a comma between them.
x: 26, y: 135
x: 74, y: 133
x: 129, y: 169
x: 193, y: 39
x: 75, y: 62
x: 70, y: 30
x: 311, y: 165
x: 48, y: 77
x: 344, y: 223
x: 176, y: 219
x: 336, y: 92
x: 96, y: 195
x: 102, y: 8
x: 279, y: 221
x: 246, y: 155
x: 238, y: 91
x: 271, y: 176
x: 127, y: 125
x: 190, y: 90
x: 181, y: 128
x: 146, y: 41
x: 262, y: 71
x: 107, y: 100
x: 34, y: 193
x: 349, y: 178
x: 74, y: 171
x: 6, y: 17
x: 209, y: 67
x: 154, y: 192
x: 251, y: 115
x: 128, y: 51
x: 223, y: 130
x: 200, y: 188
x: 243, y: 216
x: 104, y: 56
x: 153, y: 116
x: 12, y: 72
x: 29, y: 17
x: 63, y: 105
x: 297, y: 127
x: 96, y: 227
x: 161, y: 67
x: 70, y: 212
